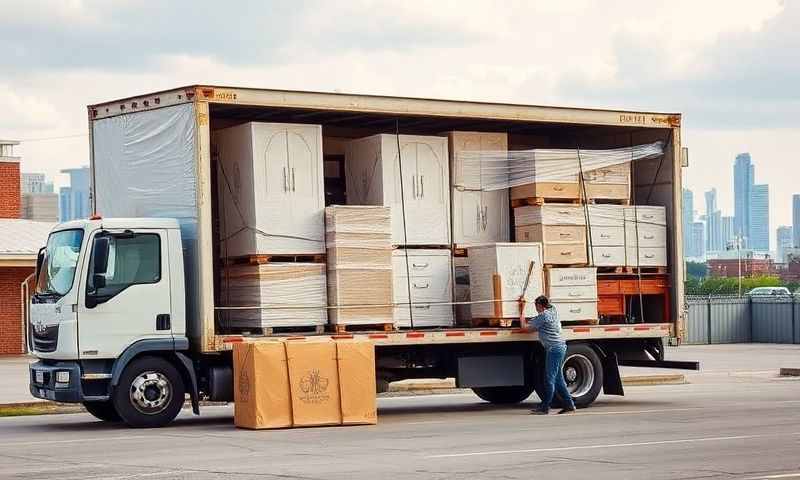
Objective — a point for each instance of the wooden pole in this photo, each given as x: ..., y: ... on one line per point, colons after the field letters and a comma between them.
x: 497, y: 287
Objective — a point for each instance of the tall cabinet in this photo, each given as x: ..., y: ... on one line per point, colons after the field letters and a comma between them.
x: 270, y: 189
x: 479, y: 216
x: 373, y: 172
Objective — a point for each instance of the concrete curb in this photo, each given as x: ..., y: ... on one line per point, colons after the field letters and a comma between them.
x: 789, y: 372
x: 668, y: 379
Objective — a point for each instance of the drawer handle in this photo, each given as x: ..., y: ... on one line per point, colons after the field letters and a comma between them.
x: 573, y: 294
x: 563, y: 212
x: 606, y: 255
x: 648, y: 216
x: 566, y: 252
x: 575, y: 310
x: 422, y: 307
x: 421, y: 286
x: 649, y: 237
x: 420, y: 265
x: 558, y: 188
x: 565, y: 234
x: 649, y: 255
x: 605, y: 235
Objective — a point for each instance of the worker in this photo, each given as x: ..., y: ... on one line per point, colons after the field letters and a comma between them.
x: 549, y: 328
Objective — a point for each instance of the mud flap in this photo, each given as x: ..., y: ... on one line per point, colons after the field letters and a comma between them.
x: 612, y: 382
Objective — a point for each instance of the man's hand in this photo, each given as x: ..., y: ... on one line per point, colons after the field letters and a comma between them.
x: 521, y: 302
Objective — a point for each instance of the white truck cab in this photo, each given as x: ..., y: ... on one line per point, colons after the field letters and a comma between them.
x: 108, y: 291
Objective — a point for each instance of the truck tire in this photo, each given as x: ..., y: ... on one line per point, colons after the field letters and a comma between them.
x: 583, y: 372
x: 104, y: 411
x: 150, y: 393
x: 504, y: 395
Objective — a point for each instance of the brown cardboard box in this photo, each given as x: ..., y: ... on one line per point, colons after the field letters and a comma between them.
x: 314, y: 380
x: 261, y: 386
x: 357, y: 382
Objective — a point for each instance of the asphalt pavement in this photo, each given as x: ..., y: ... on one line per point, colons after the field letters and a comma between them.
x: 745, y: 426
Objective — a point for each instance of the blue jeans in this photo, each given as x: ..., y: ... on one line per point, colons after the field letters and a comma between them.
x: 554, y: 378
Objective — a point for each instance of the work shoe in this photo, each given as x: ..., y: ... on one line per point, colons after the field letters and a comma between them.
x: 567, y: 411
x: 539, y: 411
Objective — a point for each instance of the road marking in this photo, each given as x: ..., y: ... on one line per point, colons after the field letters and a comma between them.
x: 782, y: 475
x: 610, y: 445
x: 638, y: 412
x: 74, y: 440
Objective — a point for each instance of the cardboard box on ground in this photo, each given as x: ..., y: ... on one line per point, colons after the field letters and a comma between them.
x: 304, y: 383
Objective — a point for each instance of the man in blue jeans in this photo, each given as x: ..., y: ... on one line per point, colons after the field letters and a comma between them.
x: 549, y: 327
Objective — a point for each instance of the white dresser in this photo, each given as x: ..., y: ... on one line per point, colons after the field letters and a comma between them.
x: 607, y: 235
x: 429, y: 276
x: 372, y: 169
x: 646, y: 236
x: 270, y: 189
x: 511, y: 261
x: 573, y: 291
x: 479, y: 216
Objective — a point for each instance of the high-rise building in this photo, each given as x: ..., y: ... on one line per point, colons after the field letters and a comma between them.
x: 688, y: 219
x: 74, y: 200
x: 784, y: 237
x: 35, y: 183
x: 698, y: 240
x: 796, y: 220
x: 743, y: 179
x: 727, y: 233
x: 759, y: 218
x: 713, y: 223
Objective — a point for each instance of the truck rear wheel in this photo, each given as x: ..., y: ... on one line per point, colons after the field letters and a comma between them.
x: 104, y: 411
x: 150, y: 393
x: 583, y: 372
x: 504, y: 395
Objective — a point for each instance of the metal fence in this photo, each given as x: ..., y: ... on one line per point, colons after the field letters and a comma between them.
x: 732, y: 319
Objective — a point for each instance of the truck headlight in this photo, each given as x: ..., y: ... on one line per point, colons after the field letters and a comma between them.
x: 62, y: 376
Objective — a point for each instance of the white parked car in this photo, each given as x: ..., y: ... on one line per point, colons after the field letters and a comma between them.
x: 781, y: 291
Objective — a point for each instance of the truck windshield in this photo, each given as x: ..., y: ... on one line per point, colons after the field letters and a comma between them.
x: 58, y: 266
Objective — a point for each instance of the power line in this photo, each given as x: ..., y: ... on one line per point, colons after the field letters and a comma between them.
x: 42, y: 139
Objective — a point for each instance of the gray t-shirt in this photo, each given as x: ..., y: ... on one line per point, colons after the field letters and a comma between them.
x: 549, y: 328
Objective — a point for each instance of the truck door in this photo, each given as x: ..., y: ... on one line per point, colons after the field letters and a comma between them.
x: 125, y: 294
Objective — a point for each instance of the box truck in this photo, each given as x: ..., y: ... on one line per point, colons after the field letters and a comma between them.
x: 135, y: 348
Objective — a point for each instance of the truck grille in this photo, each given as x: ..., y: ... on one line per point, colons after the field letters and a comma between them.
x: 46, y: 340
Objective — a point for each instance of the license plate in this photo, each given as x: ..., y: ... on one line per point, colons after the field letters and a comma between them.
x: 39, y: 376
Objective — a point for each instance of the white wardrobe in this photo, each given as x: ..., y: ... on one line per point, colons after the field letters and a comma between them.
x: 270, y: 189
x: 479, y: 216
x: 372, y: 169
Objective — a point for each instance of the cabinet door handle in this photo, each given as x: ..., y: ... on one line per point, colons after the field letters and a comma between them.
x: 294, y: 189
x: 477, y: 217
x: 484, y: 218
x: 414, y: 186
x: 285, y: 180
x: 422, y: 186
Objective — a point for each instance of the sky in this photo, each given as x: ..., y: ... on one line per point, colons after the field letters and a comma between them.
x: 730, y: 67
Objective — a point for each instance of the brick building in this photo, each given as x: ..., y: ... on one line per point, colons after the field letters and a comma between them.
x: 751, y: 267
x: 20, y: 241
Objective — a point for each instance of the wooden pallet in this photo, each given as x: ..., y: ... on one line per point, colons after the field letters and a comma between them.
x: 262, y: 259
x: 609, y: 201
x: 632, y: 270
x: 279, y: 330
x: 493, y: 322
x: 459, y: 252
x: 422, y: 247
x: 566, y: 265
x: 379, y: 327
x: 538, y: 201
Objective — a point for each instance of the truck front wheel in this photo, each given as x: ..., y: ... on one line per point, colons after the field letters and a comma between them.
x: 504, y: 395
x: 104, y: 411
x: 150, y: 393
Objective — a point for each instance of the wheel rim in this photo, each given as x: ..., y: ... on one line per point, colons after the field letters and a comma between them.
x: 150, y: 392
x: 579, y: 374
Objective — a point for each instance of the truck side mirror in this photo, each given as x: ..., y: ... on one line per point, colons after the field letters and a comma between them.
x: 39, y: 263
x: 100, y: 255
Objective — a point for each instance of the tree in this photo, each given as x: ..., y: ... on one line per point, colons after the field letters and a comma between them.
x: 696, y: 269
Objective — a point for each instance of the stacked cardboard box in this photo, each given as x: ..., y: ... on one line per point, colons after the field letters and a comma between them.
x: 359, y: 243
x: 282, y: 384
x: 283, y: 294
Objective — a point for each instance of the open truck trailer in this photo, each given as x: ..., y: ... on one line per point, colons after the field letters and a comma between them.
x: 154, y: 173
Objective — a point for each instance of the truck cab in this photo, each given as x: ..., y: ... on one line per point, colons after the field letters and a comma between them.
x: 108, y: 319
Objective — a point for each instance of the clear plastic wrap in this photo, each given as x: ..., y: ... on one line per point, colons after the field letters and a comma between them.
x: 496, y: 170
x: 145, y: 166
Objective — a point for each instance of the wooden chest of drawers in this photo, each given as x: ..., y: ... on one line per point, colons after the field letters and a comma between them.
x: 561, y: 229
x: 573, y: 291
x: 614, y: 290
